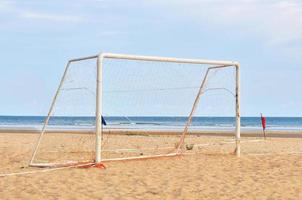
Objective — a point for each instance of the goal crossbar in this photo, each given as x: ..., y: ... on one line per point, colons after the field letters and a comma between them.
x: 156, y: 58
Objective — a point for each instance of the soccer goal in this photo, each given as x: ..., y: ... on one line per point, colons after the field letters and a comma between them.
x: 111, y: 107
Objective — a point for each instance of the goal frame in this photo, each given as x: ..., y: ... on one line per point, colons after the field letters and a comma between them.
x: 214, y: 64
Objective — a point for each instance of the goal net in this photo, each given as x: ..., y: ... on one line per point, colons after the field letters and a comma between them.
x: 118, y: 107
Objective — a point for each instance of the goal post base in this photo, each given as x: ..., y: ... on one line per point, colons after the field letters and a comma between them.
x: 141, y: 157
x: 61, y: 165
x: 83, y: 164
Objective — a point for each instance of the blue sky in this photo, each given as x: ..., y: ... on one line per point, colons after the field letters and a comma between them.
x: 38, y: 37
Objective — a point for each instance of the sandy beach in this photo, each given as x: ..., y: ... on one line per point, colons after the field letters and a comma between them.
x: 151, y: 100
x: 270, y: 169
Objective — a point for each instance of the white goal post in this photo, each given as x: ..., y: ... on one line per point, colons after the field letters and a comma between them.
x: 214, y: 64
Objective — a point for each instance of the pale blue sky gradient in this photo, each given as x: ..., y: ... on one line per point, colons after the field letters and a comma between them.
x: 38, y: 37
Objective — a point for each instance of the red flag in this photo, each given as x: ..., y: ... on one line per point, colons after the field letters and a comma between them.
x: 263, y: 121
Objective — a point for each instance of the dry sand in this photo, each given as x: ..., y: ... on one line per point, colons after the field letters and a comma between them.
x: 270, y: 169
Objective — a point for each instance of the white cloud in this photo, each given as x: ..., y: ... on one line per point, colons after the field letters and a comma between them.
x: 17, y: 10
x: 111, y: 33
x: 50, y: 17
x: 5, y: 5
x: 276, y: 21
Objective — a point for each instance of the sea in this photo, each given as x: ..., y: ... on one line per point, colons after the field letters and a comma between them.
x: 149, y: 122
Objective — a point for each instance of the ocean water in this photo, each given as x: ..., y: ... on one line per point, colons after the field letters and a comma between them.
x: 202, y: 123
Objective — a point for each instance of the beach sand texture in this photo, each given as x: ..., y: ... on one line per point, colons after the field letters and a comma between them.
x: 270, y: 169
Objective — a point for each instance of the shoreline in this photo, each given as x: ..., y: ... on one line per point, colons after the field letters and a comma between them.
x: 212, y: 132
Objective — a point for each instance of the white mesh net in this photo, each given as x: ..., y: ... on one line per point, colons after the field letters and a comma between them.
x: 145, y: 104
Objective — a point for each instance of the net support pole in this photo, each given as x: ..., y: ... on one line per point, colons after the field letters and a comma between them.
x: 99, y: 96
x: 238, y: 123
x: 195, y: 104
x: 31, y: 163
